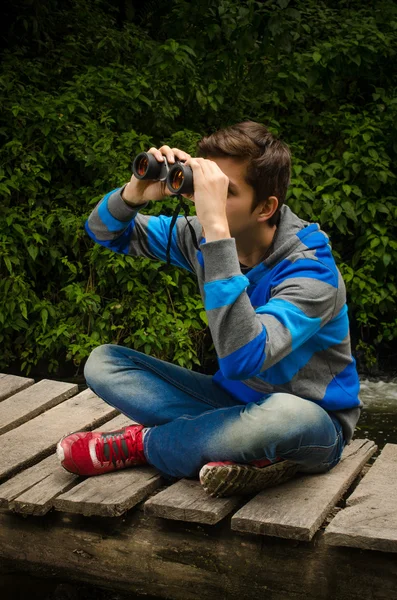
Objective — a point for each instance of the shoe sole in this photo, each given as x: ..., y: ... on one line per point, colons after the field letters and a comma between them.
x: 233, y: 480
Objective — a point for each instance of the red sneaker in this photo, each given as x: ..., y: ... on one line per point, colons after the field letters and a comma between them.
x: 96, y: 452
x: 227, y: 478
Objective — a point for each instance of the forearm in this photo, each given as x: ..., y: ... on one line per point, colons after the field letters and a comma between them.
x: 238, y: 334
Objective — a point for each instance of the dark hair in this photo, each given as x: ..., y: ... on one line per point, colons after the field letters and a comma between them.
x: 269, y: 159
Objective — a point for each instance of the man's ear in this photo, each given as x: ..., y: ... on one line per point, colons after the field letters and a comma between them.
x: 267, y: 209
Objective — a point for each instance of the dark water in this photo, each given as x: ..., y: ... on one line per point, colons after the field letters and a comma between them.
x: 378, y: 423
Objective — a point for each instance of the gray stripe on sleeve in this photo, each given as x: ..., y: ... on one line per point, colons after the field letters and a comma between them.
x: 278, y: 340
x: 120, y: 209
x: 99, y: 229
x: 138, y: 245
x: 220, y: 259
x: 233, y: 318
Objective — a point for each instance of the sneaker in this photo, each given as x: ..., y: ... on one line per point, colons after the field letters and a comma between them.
x: 221, y: 479
x: 96, y: 452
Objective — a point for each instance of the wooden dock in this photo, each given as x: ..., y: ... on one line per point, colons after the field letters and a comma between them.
x: 321, y: 537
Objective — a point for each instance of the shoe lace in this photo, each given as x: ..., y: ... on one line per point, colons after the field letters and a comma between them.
x: 115, y: 448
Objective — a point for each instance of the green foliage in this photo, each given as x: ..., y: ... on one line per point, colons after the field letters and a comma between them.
x: 84, y: 86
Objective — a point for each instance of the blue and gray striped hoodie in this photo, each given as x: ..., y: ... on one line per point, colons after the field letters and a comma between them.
x: 281, y: 327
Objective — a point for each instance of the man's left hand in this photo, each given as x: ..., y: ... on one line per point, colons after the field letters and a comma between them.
x: 210, y: 195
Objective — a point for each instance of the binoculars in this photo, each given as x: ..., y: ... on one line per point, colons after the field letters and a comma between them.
x: 179, y: 178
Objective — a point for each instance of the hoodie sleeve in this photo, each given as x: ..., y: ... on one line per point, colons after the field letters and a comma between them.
x: 119, y: 227
x: 248, y: 341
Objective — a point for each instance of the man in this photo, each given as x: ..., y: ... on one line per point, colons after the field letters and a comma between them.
x: 285, y: 398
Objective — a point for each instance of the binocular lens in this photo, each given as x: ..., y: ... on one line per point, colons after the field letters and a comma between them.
x: 142, y: 166
x: 177, y: 179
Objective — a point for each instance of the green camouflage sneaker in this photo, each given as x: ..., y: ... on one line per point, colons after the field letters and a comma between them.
x: 221, y: 479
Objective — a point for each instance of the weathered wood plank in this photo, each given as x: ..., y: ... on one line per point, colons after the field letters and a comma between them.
x: 369, y: 520
x: 112, y: 494
x: 24, y: 481
x: 33, y: 490
x: 39, y: 499
x: 33, y: 441
x: 297, y: 508
x: 26, y: 405
x: 187, y: 501
x: 11, y: 384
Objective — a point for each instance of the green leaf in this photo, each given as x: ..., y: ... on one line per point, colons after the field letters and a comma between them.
x: 347, y: 189
x: 316, y: 57
x: 373, y: 153
x: 386, y: 259
x: 203, y: 317
x: 33, y: 251
x: 44, y: 316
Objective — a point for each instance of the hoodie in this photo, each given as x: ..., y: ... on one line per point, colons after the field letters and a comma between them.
x: 281, y: 327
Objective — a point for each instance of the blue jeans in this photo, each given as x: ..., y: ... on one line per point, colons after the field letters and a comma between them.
x: 193, y: 421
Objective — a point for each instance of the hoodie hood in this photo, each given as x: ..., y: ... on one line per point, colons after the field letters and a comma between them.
x: 293, y: 234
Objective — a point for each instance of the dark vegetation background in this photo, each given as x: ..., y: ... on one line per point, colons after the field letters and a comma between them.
x: 87, y: 84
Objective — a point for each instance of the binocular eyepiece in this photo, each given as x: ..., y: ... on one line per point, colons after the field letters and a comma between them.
x: 179, y: 178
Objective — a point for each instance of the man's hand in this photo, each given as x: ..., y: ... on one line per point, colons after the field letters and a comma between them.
x: 139, y: 191
x: 210, y: 195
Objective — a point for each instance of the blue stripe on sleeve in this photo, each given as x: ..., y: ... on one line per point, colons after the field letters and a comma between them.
x: 107, y: 219
x: 120, y: 244
x: 157, y: 238
x: 293, y: 318
x: 223, y: 292
x: 247, y: 361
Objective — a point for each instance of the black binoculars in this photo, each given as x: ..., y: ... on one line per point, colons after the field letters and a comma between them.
x: 179, y: 178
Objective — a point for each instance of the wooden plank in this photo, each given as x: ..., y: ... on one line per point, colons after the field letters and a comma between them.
x: 24, y: 481
x: 33, y: 491
x: 39, y: 499
x: 11, y: 384
x: 369, y: 520
x: 297, y: 508
x: 187, y: 501
x: 33, y: 441
x: 112, y: 494
x: 26, y: 405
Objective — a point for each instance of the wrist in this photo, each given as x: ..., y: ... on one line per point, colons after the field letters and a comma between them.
x: 216, y: 231
x: 128, y: 196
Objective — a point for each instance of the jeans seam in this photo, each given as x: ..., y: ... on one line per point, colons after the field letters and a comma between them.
x: 145, y: 444
x: 338, y: 436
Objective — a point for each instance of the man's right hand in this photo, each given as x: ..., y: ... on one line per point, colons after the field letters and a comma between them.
x: 139, y: 191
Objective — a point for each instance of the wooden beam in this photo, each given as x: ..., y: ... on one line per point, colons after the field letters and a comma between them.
x: 138, y: 554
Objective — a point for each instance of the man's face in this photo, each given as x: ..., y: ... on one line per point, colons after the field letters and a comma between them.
x: 240, y: 197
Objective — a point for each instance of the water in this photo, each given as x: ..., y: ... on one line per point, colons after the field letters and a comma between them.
x: 378, y: 422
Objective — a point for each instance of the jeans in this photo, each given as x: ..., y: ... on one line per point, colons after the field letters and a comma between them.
x: 193, y: 421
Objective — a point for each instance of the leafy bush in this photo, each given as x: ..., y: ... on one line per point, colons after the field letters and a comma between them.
x: 90, y: 84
